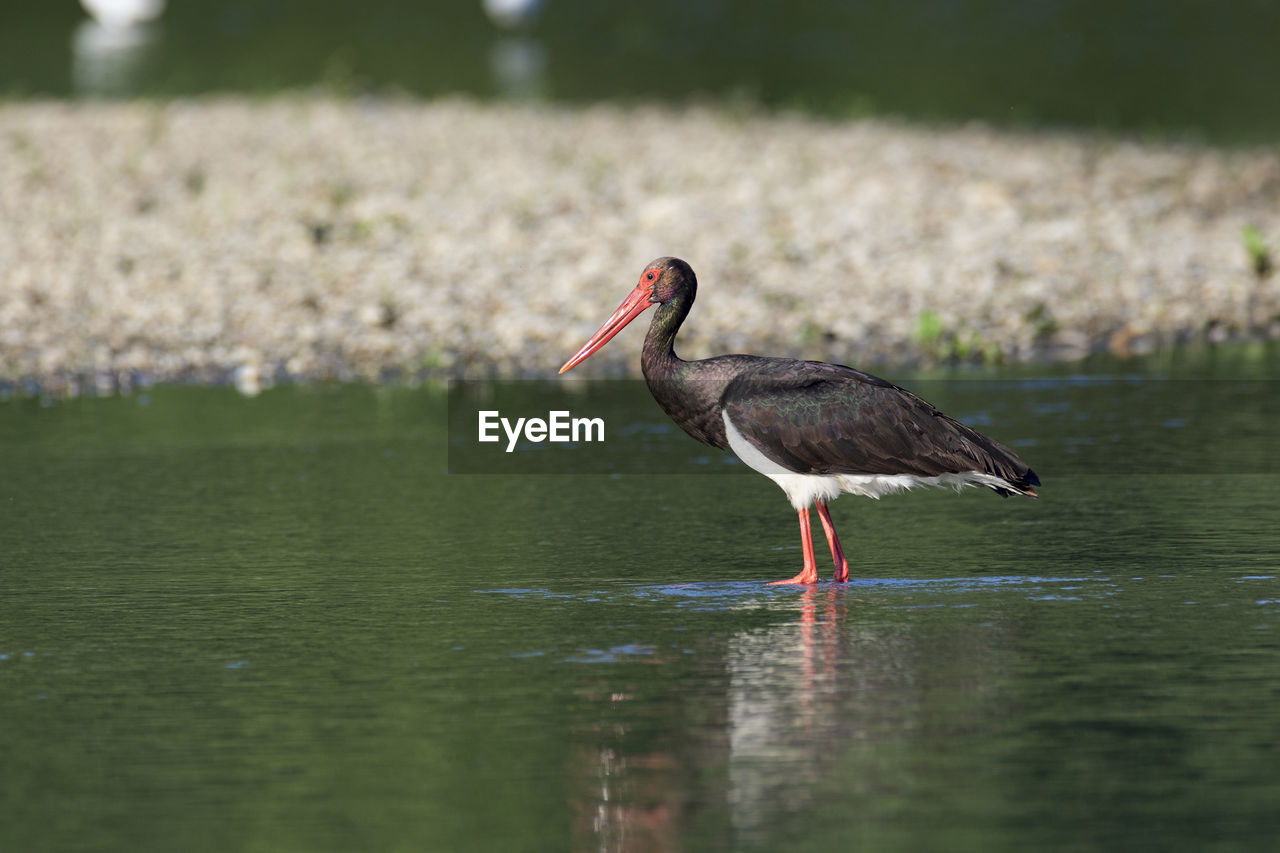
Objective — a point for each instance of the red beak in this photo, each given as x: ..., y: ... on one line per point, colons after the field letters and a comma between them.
x: 632, y: 307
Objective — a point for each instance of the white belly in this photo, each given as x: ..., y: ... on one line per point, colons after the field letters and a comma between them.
x: 803, y: 489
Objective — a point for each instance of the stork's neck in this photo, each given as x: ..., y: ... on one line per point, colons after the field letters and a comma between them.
x: 659, y: 358
x: 688, y: 391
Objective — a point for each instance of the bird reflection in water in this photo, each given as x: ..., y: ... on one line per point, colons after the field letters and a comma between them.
x: 770, y: 712
x: 629, y: 781
x: 785, y: 721
x: 635, y: 805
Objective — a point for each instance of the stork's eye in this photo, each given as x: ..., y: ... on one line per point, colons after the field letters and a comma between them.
x: 650, y: 275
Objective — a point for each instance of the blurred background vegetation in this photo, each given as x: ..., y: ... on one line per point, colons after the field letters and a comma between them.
x: 1186, y: 68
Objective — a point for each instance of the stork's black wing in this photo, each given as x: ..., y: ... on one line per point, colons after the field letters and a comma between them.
x: 817, y: 418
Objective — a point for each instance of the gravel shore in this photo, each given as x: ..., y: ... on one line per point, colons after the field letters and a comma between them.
x: 310, y: 237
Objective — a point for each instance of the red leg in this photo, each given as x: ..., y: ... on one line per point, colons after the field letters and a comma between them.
x: 809, y: 574
x: 833, y: 541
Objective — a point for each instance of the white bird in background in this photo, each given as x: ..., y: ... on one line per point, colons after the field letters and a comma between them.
x: 109, y: 49
x: 517, y: 59
x: 512, y: 14
x: 121, y: 14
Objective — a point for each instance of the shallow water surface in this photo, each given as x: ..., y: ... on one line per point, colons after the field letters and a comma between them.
x: 1197, y: 68
x: 277, y: 624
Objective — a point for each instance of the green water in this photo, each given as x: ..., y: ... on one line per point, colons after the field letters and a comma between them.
x: 276, y: 624
x: 1205, y: 69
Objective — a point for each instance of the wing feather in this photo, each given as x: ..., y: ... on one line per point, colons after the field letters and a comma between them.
x: 818, y: 418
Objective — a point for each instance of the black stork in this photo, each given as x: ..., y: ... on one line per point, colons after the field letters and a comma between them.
x: 815, y: 429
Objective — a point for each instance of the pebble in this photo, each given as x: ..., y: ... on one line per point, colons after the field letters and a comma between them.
x: 255, y: 241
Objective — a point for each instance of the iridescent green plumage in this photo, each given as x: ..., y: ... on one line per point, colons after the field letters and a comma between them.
x: 810, y: 417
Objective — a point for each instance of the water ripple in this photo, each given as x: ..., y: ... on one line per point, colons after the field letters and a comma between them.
x: 733, y: 595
